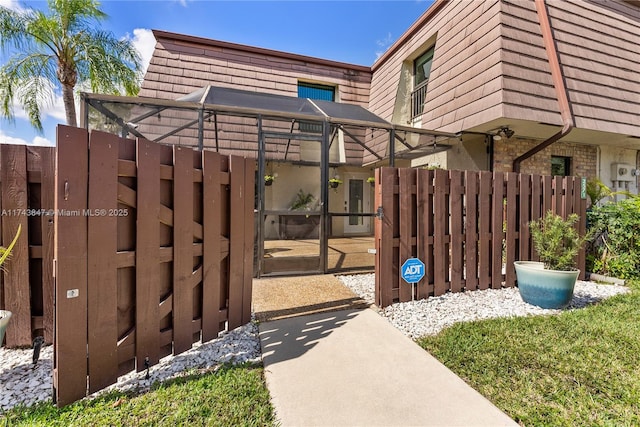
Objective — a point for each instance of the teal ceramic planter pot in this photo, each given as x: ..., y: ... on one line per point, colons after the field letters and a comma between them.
x: 4, y: 321
x: 545, y: 288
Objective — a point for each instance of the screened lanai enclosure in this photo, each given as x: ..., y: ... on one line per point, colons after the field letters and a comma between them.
x: 314, y: 203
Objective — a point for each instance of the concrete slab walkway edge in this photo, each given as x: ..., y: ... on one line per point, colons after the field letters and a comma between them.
x: 353, y: 368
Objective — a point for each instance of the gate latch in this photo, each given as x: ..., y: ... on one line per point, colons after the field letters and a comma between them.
x: 379, y: 213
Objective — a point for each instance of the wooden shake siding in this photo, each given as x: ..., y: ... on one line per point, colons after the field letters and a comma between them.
x: 183, y: 64
x: 465, y: 87
x: 528, y: 87
x: 597, y: 43
x: 599, y: 48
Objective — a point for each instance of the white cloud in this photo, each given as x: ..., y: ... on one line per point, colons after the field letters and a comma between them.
x: 145, y: 43
x: 383, y: 44
x: 38, y: 140
x: 11, y: 4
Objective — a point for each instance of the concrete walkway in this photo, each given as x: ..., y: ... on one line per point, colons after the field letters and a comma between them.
x: 353, y: 368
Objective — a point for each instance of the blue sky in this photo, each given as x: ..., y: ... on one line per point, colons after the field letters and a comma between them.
x: 348, y: 31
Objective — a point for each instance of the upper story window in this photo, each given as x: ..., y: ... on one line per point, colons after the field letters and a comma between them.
x: 421, y: 72
x: 315, y: 91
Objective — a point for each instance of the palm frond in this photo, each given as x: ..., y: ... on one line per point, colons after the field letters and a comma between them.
x: 5, y: 252
x: 27, y: 78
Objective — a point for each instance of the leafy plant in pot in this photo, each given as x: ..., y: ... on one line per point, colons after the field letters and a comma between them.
x: 5, y: 315
x: 549, y: 283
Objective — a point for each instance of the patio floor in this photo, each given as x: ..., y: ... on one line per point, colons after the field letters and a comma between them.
x: 348, y: 254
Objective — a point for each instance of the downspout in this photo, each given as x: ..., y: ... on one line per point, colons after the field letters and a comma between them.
x: 558, y: 84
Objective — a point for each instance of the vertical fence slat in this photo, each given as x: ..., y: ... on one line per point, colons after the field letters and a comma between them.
x: 387, y: 274
x: 70, y: 360
x: 581, y: 210
x: 16, y: 273
x: 569, y: 188
x: 557, y: 195
x: 47, y: 195
x: 147, y: 253
x: 457, y: 230
x: 211, y: 254
x: 536, y: 205
x: 377, y: 227
x: 236, y: 240
x: 102, y: 285
x: 406, y: 180
x: 471, y: 228
x: 249, y: 234
x: 182, y: 249
x: 525, y: 217
x: 441, y: 266
x: 547, y: 194
x: 484, y: 236
x: 511, y: 237
x: 496, y: 230
x: 424, y: 226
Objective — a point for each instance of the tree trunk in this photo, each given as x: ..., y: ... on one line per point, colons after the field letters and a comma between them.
x: 69, y: 105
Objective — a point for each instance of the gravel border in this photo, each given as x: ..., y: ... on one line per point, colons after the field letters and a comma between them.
x: 23, y: 383
x: 429, y: 316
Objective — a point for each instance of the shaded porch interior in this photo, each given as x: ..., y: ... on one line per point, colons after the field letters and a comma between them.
x: 314, y: 149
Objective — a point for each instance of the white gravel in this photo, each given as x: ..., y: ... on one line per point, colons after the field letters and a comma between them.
x: 23, y: 383
x: 431, y: 315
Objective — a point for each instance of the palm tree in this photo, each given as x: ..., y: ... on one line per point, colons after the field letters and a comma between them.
x: 59, y: 49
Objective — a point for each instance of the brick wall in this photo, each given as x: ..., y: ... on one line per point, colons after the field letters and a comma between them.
x: 583, y: 157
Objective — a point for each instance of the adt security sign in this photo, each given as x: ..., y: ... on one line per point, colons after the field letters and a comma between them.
x: 412, y: 270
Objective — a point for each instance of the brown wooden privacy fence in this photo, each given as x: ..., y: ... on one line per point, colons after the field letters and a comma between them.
x: 26, y: 187
x: 467, y: 227
x: 154, y: 251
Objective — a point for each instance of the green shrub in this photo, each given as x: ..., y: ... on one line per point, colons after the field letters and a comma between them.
x: 556, y: 240
x: 615, y: 247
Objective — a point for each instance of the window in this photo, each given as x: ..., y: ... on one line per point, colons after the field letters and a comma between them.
x: 421, y: 72
x: 314, y: 91
x: 422, y: 68
x: 560, y: 166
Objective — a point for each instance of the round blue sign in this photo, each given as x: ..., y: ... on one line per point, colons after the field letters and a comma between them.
x: 412, y: 271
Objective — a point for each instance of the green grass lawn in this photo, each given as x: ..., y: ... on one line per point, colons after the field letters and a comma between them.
x: 578, y: 368
x: 231, y: 396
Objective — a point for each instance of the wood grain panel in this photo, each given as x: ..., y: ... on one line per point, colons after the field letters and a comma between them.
x: 211, y: 251
x: 407, y: 213
x: 47, y: 196
x: 182, y: 249
x: 102, y: 292
x: 236, y: 239
x: 440, y: 238
x: 456, y: 195
x: 147, y: 254
x: 497, y: 234
x: 249, y: 223
x: 16, y: 272
x: 511, y: 244
x: 471, y: 229
x: 70, y: 348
